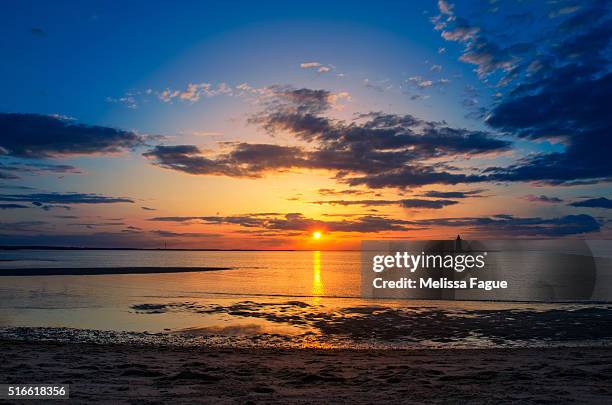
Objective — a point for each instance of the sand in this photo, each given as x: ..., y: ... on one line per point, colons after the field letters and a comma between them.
x: 91, y: 271
x: 150, y: 375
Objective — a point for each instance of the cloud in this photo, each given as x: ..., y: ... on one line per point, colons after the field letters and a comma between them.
x: 49, y: 207
x: 63, y: 198
x: 127, y: 239
x: 494, y: 226
x: 41, y: 136
x: 453, y: 194
x: 542, y: 199
x: 24, y: 226
x: 414, y: 176
x: 319, y: 67
x: 93, y: 225
x: 436, y: 68
x: 206, y: 133
x: 445, y: 7
x: 169, y: 234
x: 14, y: 187
x: 570, y: 105
x: 376, y: 143
x: 357, y: 202
x: 431, y: 204
x: 406, y: 203
x: 128, y: 100
x: 244, y: 160
x: 298, y: 222
x: 510, y: 226
x: 12, y: 206
x: 478, y: 50
x: 559, y: 85
x: 148, y: 209
x: 563, y: 11
x: 194, y: 92
x: 10, y: 170
x: 420, y: 82
x: 351, y: 191
x: 601, y: 202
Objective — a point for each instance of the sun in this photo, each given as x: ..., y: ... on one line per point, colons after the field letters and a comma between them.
x: 316, y: 234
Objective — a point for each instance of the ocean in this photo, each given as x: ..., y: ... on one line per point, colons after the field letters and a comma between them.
x: 286, y: 298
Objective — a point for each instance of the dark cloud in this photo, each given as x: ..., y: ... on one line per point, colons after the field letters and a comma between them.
x: 406, y: 203
x: 92, y: 225
x: 12, y: 206
x: 414, y: 176
x: 601, y: 202
x: 559, y: 85
x: 373, y: 144
x: 14, y: 187
x: 31, y: 168
x: 12, y: 170
x: 148, y: 209
x: 502, y: 225
x: 358, y: 202
x: 432, y: 204
x: 24, y: 226
x: 298, y: 222
x: 350, y: 191
x: 572, y: 105
x: 40, y: 199
x: 49, y: 207
x: 542, y: 199
x: 94, y: 239
x: 169, y: 234
x: 510, y: 226
x: 245, y: 160
x: 453, y: 194
x: 39, y: 136
x: 8, y: 176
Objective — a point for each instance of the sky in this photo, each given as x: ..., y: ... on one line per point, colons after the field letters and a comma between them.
x: 240, y: 125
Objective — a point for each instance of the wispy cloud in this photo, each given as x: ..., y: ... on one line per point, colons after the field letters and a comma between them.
x: 319, y: 67
x: 542, y: 199
x: 63, y: 198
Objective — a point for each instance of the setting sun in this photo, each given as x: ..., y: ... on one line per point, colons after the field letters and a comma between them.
x: 316, y: 235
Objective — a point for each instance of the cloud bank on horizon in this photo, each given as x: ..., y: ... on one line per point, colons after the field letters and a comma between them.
x: 530, y: 84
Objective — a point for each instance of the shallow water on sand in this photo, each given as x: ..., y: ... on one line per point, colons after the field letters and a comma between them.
x: 296, y: 299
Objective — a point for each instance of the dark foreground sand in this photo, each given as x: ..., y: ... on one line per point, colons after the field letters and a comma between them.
x: 149, y: 375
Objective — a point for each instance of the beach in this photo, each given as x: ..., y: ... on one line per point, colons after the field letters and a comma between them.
x: 162, y: 374
x: 237, y: 327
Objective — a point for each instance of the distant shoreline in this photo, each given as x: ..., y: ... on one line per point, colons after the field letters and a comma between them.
x: 88, y: 271
x: 169, y: 249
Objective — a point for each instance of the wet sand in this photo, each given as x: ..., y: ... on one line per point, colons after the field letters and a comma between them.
x: 90, y: 271
x: 151, y: 375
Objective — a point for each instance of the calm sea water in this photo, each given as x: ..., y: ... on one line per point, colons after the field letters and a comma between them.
x: 331, y: 274
x: 313, y: 295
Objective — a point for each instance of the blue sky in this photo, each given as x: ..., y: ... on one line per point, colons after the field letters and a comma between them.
x: 489, y: 83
